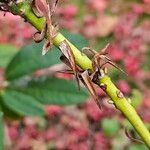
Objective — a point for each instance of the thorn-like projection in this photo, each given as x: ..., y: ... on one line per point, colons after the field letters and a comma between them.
x: 129, y: 100
x: 128, y: 134
x: 99, y: 59
x: 46, y: 47
x: 22, y: 12
x: 45, y: 8
x: 110, y: 102
x: 86, y: 80
x: 105, y: 70
x: 39, y: 36
x: 67, y: 52
x: 103, y: 86
x: 65, y: 60
x: 119, y: 94
x: 81, y: 75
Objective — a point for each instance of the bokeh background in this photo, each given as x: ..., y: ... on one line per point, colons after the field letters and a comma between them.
x: 125, y: 25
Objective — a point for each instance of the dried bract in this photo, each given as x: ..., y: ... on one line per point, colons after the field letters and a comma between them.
x: 44, y: 8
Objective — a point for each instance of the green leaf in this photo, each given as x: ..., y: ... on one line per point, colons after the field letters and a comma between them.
x: 146, y: 65
x: 21, y: 103
x: 120, y: 141
x: 136, y: 98
x: 7, y: 111
x: 1, y: 132
x: 114, y: 74
x: 29, y: 59
x: 55, y: 91
x: 78, y: 40
x: 137, y: 147
x: 142, y: 18
x: 6, y: 54
x: 103, y: 41
x: 110, y: 127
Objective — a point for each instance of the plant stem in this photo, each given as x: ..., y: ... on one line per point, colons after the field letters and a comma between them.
x: 85, y: 63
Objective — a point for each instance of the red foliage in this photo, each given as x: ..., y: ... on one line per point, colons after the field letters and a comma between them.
x: 31, y: 131
x: 53, y: 110
x: 132, y: 66
x: 123, y: 86
x: 67, y: 12
x: 101, y: 142
x: 14, y: 31
x: 13, y: 133
x: 130, y: 35
x: 93, y: 111
x: 49, y: 134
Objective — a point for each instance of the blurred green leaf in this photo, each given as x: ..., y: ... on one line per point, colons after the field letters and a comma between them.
x: 81, y: 10
x: 146, y: 64
x: 143, y: 17
x: 137, y: 147
x: 78, y: 40
x: 1, y: 132
x: 136, y: 98
x: 55, y: 91
x: 114, y: 74
x: 103, y: 41
x: 22, y: 104
x: 7, y: 111
x: 110, y: 127
x: 6, y: 54
x: 29, y: 58
x: 120, y: 141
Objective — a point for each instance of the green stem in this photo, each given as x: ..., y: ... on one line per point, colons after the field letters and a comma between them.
x: 127, y: 109
x: 85, y: 63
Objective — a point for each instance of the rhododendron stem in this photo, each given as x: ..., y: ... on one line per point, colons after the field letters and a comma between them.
x: 121, y: 103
